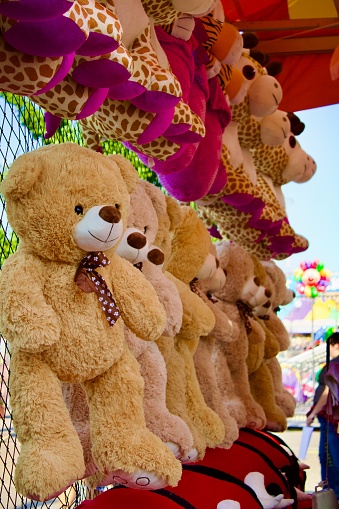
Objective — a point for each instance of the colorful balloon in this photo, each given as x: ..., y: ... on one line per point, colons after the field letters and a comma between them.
x: 312, y: 278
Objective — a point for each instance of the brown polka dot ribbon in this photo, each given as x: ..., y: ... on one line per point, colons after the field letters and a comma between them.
x: 246, y: 313
x: 89, y: 280
x: 194, y: 287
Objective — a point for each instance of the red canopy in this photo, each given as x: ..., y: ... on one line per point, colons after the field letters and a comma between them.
x: 301, y: 35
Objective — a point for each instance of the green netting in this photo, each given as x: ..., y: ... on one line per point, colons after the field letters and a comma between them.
x: 22, y: 129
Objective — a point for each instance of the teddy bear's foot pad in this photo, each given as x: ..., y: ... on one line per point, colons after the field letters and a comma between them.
x: 139, y: 480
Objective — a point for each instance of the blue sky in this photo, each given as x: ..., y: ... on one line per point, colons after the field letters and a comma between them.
x: 313, y: 207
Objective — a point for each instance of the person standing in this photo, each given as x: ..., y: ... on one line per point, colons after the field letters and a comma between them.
x: 329, y: 438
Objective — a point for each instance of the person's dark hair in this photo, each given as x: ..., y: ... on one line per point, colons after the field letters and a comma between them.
x: 333, y: 339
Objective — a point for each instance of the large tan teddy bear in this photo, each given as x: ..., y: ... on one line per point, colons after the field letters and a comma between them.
x: 233, y: 298
x: 135, y: 245
x: 190, y: 259
x: 68, y: 204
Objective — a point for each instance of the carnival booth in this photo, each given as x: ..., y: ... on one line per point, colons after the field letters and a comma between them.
x: 146, y: 145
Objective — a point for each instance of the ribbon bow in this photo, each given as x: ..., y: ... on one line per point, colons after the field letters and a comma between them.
x: 246, y: 313
x: 89, y: 280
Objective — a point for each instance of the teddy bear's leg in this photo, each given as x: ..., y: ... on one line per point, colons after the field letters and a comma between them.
x: 230, y: 400
x: 262, y: 390
x: 176, y: 396
x: 76, y: 402
x: 121, y: 443
x: 168, y: 427
x: 51, y: 456
x: 254, y: 412
x: 207, y: 421
x: 284, y: 399
x: 209, y: 387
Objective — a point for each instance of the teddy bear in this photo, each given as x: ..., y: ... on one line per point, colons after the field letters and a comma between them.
x: 260, y: 379
x: 167, y: 210
x: 134, y: 246
x: 65, y: 322
x: 190, y: 259
x: 239, y: 287
x: 143, y: 219
x: 203, y: 356
x: 281, y: 296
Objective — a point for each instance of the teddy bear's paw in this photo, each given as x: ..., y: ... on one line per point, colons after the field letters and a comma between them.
x: 275, y: 426
x: 139, y: 480
x: 191, y: 457
x: 44, y: 472
x: 231, y: 433
x: 256, y: 422
x: 237, y: 410
x: 212, y: 427
x: 174, y: 448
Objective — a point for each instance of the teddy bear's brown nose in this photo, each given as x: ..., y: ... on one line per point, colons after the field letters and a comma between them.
x: 110, y: 214
x: 268, y: 293
x: 156, y: 256
x: 256, y: 281
x: 136, y: 240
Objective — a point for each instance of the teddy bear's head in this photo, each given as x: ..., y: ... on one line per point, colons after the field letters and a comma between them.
x: 190, y: 244
x: 241, y: 280
x: 65, y: 200
x: 142, y: 226
x: 281, y: 295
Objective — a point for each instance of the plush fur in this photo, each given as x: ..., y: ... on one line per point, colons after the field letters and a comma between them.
x: 190, y: 249
x: 59, y: 333
x: 239, y: 286
x: 134, y: 246
x: 281, y: 296
x: 261, y: 382
x: 203, y: 359
x: 169, y: 427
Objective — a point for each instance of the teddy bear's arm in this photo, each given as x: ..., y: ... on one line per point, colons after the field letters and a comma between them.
x: 198, y: 320
x: 168, y: 296
x: 26, y: 320
x: 137, y: 300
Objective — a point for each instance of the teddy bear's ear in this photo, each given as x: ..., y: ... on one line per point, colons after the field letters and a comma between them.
x: 156, y: 196
x: 127, y: 170
x: 174, y: 212
x: 21, y: 176
x: 259, y: 269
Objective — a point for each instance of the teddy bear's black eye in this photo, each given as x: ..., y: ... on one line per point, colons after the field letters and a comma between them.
x: 145, y: 229
x: 78, y: 209
x: 249, y: 72
x: 116, y: 206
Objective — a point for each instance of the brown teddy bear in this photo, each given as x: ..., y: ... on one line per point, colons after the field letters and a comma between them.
x: 143, y: 218
x: 68, y: 204
x: 169, y: 218
x: 260, y: 378
x: 190, y: 258
x: 240, y: 286
x: 134, y: 246
x: 224, y: 331
x: 281, y: 296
